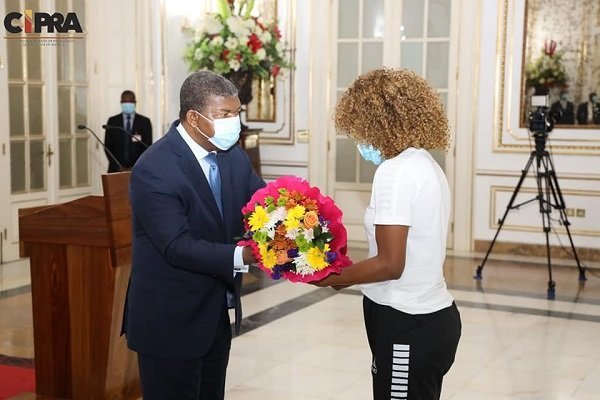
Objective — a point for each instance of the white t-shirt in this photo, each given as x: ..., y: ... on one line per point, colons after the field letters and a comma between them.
x: 411, y: 189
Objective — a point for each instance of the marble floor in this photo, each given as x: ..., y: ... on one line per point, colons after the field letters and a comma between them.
x: 299, y: 342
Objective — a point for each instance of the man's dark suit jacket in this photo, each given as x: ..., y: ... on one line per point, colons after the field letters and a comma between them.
x: 563, y: 115
x: 182, y: 256
x: 582, y: 115
x: 121, y: 144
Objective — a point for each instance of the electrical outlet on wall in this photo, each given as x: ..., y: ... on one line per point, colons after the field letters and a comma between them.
x: 580, y: 212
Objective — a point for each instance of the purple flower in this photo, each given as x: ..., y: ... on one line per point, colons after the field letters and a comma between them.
x: 293, y: 253
x: 331, y: 256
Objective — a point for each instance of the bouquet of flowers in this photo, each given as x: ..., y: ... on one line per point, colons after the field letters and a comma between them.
x: 233, y: 40
x: 548, y: 69
x: 295, y: 232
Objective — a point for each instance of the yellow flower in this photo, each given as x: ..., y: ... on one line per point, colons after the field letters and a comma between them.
x: 316, y: 258
x: 294, y: 215
x: 269, y: 257
x: 258, y: 219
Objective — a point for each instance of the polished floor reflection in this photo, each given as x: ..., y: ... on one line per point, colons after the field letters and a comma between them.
x: 300, y: 342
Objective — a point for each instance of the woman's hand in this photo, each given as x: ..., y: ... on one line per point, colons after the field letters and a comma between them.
x: 328, y: 281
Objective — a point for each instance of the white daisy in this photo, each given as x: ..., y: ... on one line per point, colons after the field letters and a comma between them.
x: 261, y: 54
x: 234, y: 64
x: 217, y: 41
x: 302, y: 266
x: 292, y: 233
x: 231, y: 43
x: 309, y: 234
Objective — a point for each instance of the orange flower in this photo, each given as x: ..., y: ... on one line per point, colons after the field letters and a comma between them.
x: 290, y: 203
x: 311, y: 219
x: 282, y: 257
x: 310, y: 204
x: 280, y: 230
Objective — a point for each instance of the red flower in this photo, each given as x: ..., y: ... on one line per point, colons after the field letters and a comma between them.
x: 275, y: 70
x: 254, y: 43
x: 224, y: 54
x: 276, y: 32
x: 549, y: 47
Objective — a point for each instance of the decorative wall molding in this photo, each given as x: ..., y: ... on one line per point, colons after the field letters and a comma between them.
x: 537, y: 250
x: 281, y: 163
x: 506, y: 173
x: 579, y: 226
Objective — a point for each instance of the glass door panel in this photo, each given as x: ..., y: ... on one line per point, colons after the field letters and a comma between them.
x: 72, y: 76
x: 360, y: 48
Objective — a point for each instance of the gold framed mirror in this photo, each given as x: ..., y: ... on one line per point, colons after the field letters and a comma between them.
x: 263, y: 106
x: 561, y: 60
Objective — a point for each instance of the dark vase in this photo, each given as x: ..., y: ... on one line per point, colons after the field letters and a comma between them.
x: 541, y: 90
x: 243, y: 82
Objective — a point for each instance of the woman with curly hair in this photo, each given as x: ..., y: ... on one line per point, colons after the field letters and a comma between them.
x: 413, y: 326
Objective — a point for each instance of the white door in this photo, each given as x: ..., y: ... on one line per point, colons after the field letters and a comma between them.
x: 4, y: 147
x: 44, y: 157
x: 413, y: 34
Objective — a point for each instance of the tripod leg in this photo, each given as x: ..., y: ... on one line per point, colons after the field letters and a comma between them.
x: 551, y: 283
x: 560, y: 205
x: 544, y: 190
x: 478, y: 272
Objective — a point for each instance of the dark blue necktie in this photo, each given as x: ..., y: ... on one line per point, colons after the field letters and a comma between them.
x: 214, y: 179
x: 128, y: 126
x: 127, y: 150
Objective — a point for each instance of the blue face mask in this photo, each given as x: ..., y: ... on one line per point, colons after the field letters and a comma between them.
x: 369, y: 153
x: 227, y: 131
x: 128, y: 108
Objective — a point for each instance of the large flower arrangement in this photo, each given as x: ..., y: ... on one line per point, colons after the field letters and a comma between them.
x: 548, y: 69
x: 232, y: 40
x: 295, y: 232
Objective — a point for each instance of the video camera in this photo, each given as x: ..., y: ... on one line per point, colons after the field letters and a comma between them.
x: 540, y: 120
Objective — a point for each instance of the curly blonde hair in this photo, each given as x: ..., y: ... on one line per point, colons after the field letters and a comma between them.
x: 393, y: 109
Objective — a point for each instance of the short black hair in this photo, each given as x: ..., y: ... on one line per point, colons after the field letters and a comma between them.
x: 198, y: 87
x: 127, y: 93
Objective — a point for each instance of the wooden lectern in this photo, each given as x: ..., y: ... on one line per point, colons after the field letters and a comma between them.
x: 80, y: 256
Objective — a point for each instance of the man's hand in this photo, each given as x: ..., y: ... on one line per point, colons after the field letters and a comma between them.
x: 248, y: 256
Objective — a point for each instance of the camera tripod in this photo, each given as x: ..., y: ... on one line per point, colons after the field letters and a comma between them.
x: 549, y: 197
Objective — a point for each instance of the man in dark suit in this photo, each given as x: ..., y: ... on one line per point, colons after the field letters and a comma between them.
x: 563, y: 110
x: 127, y: 148
x: 186, y: 193
x: 589, y: 112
